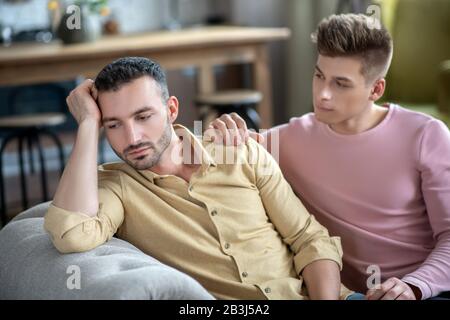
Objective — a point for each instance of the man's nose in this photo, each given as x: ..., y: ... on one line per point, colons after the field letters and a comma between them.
x: 325, y: 93
x: 132, y: 135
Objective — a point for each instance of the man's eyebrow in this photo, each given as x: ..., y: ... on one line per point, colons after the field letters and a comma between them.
x: 343, y: 79
x: 143, y: 109
x: 318, y: 69
x: 337, y: 78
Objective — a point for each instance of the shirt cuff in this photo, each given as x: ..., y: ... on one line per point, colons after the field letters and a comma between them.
x: 423, y: 286
x: 321, y: 249
x: 59, y: 221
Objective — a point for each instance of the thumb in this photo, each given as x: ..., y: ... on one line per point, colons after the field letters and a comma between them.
x: 256, y: 136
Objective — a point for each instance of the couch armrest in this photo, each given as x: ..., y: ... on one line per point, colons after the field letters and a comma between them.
x: 32, y: 268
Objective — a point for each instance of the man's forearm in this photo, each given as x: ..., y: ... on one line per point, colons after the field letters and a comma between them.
x: 323, y: 280
x: 77, y: 189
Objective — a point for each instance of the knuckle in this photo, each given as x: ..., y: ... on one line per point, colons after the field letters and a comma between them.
x: 239, y: 119
x: 406, y: 294
x: 389, y: 296
x: 219, y: 124
x: 212, y: 132
x: 226, y: 116
x: 236, y: 115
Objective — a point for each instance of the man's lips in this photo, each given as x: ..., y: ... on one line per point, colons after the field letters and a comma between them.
x: 322, y: 108
x: 138, y: 151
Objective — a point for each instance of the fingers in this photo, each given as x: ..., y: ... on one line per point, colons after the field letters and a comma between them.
x: 210, y: 134
x: 224, y: 131
x: 87, y: 85
x: 401, y: 291
x: 377, y: 293
x: 82, y: 101
x: 394, y: 292
x: 232, y: 130
x: 221, y: 132
x: 391, y: 289
x: 406, y: 295
x: 241, y: 126
x: 256, y: 136
x: 94, y: 92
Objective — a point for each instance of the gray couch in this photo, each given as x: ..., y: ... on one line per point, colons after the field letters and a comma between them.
x: 31, y: 268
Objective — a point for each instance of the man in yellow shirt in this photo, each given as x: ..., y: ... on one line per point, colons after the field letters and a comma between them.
x: 237, y: 227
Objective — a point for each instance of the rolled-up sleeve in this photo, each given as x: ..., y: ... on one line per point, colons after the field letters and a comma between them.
x: 308, y: 239
x: 77, y: 232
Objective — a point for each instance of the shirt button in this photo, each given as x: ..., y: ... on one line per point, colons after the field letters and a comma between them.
x: 214, y: 212
x: 244, y: 274
x: 227, y: 245
x: 267, y: 290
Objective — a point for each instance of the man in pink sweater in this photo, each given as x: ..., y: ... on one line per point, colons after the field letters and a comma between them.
x: 377, y: 176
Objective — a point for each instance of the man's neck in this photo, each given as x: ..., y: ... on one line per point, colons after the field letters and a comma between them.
x: 172, y: 161
x: 368, y: 119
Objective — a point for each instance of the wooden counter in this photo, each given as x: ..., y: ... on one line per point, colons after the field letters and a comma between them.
x: 203, y: 48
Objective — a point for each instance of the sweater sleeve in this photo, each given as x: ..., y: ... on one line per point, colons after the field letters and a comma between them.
x: 433, y: 276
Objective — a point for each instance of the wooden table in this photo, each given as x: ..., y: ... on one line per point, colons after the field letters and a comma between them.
x: 202, y: 48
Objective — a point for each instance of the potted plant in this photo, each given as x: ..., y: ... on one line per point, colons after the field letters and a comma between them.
x: 80, y: 21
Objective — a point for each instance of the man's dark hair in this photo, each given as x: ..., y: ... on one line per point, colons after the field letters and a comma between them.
x: 347, y: 35
x: 125, y: 70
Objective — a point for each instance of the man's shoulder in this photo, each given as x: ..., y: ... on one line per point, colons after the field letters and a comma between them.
x: 111, y: 167
x: 223, y: 154
x: 412, y: 118
x: 306, y: 122
x: 112, y: 170
x: 296, y: 127
x: 415, y: 125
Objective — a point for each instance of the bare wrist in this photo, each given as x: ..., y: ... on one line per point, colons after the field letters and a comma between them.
x: 89, y: 121
x: 416, y: 291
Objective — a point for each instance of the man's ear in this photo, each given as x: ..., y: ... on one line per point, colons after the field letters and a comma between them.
x: 172, y: 108
x: 377, y: 89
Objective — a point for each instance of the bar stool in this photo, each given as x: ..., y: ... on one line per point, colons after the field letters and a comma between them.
x: 28, y: 130
x: 241, y: 101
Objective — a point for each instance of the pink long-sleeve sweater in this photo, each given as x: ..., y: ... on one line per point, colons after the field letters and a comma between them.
x: 385, y: 192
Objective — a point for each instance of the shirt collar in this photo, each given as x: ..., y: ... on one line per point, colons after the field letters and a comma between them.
x: 199, y: 151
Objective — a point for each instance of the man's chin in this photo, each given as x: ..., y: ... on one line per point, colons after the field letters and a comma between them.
x: 324, y: 119
x: 139, y: 165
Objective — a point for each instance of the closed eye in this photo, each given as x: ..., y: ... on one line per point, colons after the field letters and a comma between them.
x: 144, y: 117
x: 318, y: 75
x: 341, y: 85
x: 113, y: 126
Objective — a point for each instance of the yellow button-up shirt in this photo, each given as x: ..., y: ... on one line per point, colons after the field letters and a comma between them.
x: 237, y: 227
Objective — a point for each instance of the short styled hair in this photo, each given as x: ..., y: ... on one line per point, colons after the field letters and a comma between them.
x: 127, y: 69
x: 348, y: 35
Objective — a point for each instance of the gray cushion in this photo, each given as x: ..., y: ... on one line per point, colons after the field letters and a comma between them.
x: 31, y: 268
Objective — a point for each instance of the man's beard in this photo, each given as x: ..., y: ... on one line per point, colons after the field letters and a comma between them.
x: 149, y: 160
